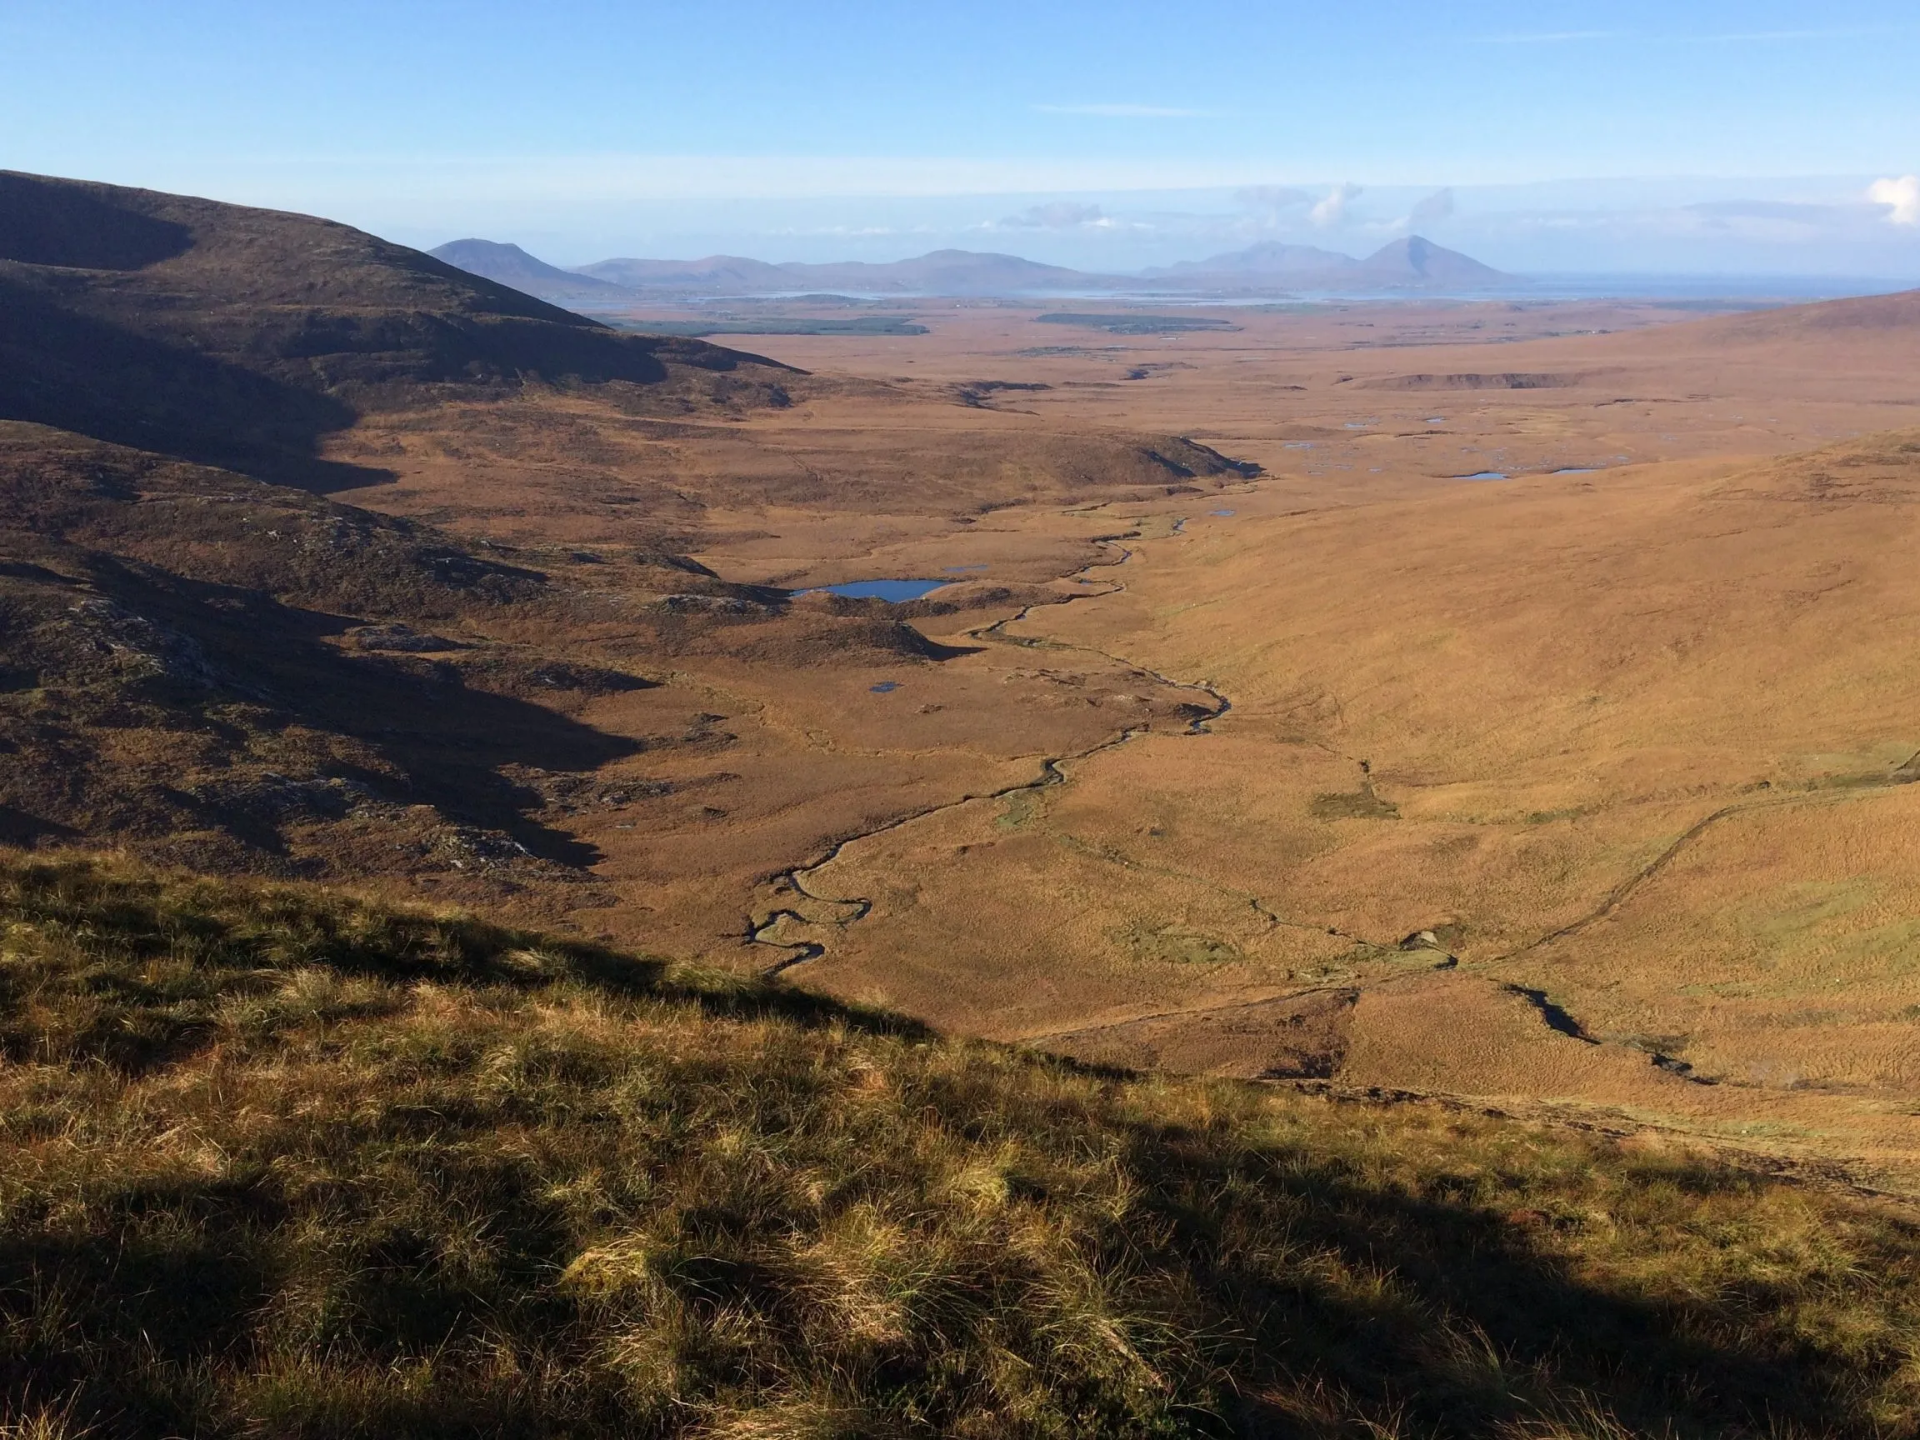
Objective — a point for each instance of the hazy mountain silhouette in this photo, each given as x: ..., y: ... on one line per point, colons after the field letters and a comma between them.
x: 510, y: 265
x: 1271, y: 257
x: 943, y: 272
x: 1412, y: 263
x: 716, y: 274
x: 1418, y: 261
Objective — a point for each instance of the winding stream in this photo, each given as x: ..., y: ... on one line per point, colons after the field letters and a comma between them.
x: 794, y: 879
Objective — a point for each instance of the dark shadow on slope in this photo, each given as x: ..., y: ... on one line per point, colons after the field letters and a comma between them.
x: 221, y: 645
x: 18, y: 827
x: 1556, y: 1017
x: 1670, y: 1367
x: 72, y: 226
x: 448, y: 738
x: 77, y: 373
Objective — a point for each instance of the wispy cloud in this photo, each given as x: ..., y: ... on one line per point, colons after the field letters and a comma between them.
x: 1057, y: 215
x: 1127, y: 112
x: 1902, y: 194
x: 1424, y: 214
x: 1332, y: 210
x: 1431, y: 211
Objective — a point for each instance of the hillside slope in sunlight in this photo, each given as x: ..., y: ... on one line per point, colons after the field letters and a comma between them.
x: 1594, y: 789
x: 278, y: 1161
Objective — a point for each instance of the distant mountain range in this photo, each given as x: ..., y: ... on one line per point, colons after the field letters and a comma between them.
x: 510, y: 265
x: 1413, y: 263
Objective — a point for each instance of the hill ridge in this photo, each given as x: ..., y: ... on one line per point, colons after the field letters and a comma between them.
x: 237, y: 336
x: 1409, y: 263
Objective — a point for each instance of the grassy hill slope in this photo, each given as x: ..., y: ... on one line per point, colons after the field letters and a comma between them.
x: 234, y: 336
x: 278, y: 1161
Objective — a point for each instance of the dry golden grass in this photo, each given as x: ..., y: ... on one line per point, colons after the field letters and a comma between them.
x: 1551, y: 682
x: 1484, y: 714
x: 281, y: 1162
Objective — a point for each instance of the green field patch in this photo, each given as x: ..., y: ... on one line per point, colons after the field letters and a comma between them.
x: 1177, y: 945
x: 1354, y: 805
x: 1019, y: 810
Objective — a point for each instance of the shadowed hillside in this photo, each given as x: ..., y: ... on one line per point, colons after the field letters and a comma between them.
x: 236, y: 675
x: 238, y: 337
x: 281, y: 1162
x: 186, y: 665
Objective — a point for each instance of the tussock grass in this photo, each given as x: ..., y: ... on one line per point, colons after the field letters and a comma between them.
x: 280, y: 1162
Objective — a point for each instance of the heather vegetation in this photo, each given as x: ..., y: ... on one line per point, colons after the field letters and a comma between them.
x: 282, y: 1161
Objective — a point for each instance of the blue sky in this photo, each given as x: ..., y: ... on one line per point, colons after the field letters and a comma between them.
x: 1629, y: 135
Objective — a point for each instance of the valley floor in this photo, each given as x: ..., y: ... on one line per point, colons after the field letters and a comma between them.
x: 1579, y: 791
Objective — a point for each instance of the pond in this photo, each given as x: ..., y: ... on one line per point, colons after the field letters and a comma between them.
x: 1482, y: 475
x: 892, y: 591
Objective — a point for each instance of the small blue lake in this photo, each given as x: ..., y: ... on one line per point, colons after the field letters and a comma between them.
x: 892, y: 591
x: 1220, y: 512
x: 1483, y: 475
x: 885, y: 687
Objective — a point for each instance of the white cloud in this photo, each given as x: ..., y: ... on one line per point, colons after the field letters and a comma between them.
x: 1432, y: 210
x: 1333, y: 209
x: 1902, y: 194
x: 1127, y: 112
x: 1057, y: 215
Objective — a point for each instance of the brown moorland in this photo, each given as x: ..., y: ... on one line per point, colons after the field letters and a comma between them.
x: 1582, y: 788
x: 1262, y: 744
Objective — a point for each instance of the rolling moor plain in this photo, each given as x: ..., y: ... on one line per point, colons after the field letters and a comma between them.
x: 977, y: 865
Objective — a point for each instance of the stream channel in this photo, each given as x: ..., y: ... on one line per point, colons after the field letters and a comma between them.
x: 794, y: 879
